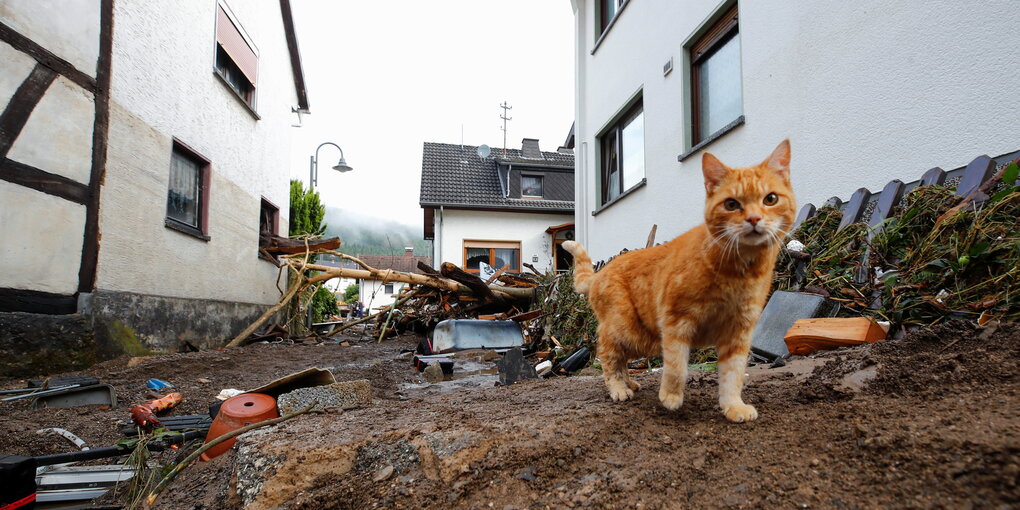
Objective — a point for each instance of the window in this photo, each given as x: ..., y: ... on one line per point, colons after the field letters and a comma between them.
x: 388, y: 288
x: 236, y: 61
x: 623, y: 153
x: 187, y: 200
x: 715, y: 78
x: 608, y: 9
x: 269, y: 218
x: 494, y: 253
x: 531, y: 186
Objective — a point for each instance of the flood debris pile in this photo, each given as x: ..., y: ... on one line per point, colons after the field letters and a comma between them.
x: 937, y: 257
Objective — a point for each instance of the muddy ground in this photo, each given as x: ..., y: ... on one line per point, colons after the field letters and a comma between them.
x: 928, y: 421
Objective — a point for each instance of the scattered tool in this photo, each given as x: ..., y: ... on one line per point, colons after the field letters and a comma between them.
x: 144, y: 415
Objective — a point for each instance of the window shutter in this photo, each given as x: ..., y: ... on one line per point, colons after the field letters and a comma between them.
x: 230, y: 39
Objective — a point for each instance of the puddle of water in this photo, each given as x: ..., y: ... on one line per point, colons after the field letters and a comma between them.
x: 470, y: 371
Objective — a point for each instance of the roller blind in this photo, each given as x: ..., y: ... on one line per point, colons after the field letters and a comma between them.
x: 229, y: 38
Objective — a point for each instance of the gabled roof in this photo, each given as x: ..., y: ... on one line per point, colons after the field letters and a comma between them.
x: 453, y: 175
x: 295, y: 56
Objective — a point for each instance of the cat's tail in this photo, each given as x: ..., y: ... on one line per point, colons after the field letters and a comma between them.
x: 583, y: 270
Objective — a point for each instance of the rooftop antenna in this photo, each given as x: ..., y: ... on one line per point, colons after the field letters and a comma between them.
x: 506, y: 108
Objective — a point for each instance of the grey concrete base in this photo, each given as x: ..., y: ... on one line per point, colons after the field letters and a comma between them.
x: 164, y: 324
x: 35, y: 344
x: 110, y: 324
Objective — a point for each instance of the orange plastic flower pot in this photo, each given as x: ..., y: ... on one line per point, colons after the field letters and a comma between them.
x: 236, y: 412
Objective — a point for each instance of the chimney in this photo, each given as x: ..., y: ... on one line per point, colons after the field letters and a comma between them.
x: 409, y: 251
x: 530, y: 150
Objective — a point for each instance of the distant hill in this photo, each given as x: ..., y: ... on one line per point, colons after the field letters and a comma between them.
x: 361, y: 233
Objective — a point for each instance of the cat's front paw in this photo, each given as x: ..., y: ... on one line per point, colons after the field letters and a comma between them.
x: 740, y: 413
x: 620, y: 392
x: 671, y: 401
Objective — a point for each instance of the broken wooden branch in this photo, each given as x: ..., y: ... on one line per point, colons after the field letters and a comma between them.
x: 393, y: 307
x: 278, y: 245
x: 473, y: 282
x: 299, y: 280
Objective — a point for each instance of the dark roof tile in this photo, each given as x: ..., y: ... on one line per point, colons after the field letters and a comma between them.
x: 454, y: 175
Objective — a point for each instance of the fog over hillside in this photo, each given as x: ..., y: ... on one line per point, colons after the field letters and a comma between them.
x: 361, y: 233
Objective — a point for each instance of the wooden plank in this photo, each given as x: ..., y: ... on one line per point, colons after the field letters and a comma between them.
x: 936, y: 176
x: 855, y: 207
x: 651, y: 236
x: 471, y: 281
x: 41, y: 180
x: 806, y: 212
x: 976, y: 173
x: 887, y: 200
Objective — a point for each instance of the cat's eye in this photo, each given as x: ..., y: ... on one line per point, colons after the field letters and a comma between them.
x: 731, y: 204
x: 770, y: 199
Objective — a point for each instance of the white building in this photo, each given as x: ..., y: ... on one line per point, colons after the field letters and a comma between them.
x: 375, y: 294
x: 501, y: 209
x: 145, y: 146
x: 866, y: 91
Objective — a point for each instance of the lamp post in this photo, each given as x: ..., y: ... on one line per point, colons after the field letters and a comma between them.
x: 313, y: 167
x: 313, y: 177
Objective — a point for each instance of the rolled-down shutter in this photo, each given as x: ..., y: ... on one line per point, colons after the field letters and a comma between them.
x: 229, y: 37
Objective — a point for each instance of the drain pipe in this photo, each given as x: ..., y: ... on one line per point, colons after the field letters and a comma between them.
x: 439, y: 244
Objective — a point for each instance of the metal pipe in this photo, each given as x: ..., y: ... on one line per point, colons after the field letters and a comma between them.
x: 115, y: 451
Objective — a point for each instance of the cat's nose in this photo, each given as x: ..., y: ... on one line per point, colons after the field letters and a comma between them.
x: 753, y: 220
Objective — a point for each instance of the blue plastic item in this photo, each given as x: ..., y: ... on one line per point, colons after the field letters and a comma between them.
x: 158, y: 384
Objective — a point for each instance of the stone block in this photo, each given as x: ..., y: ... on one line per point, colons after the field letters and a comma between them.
x: 344, y: 395
x: 784, y: 309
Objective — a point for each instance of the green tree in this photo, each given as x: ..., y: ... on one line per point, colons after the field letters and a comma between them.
x: 351, y: 293
x: 306, y: 215
x: 306, y: 211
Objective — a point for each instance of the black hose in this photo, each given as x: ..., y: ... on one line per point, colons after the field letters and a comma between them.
x: 115, y: 451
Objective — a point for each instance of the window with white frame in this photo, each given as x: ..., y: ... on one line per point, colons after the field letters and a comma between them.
x: 716, y: 97
x: 622, y: 147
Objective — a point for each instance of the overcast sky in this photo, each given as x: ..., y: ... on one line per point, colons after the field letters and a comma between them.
x: 385, y: 76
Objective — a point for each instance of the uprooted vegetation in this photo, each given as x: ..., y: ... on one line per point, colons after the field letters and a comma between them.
x: 928, y: 262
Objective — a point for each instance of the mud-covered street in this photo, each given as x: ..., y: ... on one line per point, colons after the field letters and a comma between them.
x: 926, y: 421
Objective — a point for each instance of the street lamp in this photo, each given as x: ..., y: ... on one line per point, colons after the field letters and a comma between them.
x: 313, y: 167
x: 313, y: 178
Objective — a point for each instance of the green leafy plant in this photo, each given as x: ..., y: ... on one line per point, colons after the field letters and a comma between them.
x: 351, y: 293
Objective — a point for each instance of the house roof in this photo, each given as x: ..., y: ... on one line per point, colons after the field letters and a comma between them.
x: 453, y: 175
x: 295, y: 56
x: 404, y: 263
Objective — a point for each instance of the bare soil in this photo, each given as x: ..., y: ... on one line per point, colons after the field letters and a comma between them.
x: 927, y: 421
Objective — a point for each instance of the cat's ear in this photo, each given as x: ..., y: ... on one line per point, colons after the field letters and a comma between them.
x: 714, y: 171
x: 779, y: 160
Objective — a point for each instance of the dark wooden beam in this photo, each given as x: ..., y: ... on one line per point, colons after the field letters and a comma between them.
x: 20, y: 107
x: 34, y: 301
x: 89, y: 265
x: 47, y: 58
x: 40, y: 180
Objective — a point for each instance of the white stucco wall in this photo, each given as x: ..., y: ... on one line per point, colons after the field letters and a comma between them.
x: 58, y: 135
x: 41, y: 235
x: 866, y: 91
x: 163, y: 87
x: 527, y: 228
x: 16, y: 67
x: 67, y: 28
x: 40, y: 240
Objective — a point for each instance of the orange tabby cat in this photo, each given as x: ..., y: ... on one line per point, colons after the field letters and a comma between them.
x: 704, y: 288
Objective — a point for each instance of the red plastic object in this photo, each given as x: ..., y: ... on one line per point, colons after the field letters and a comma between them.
x: 235, y: 413
x: 144, y: 415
